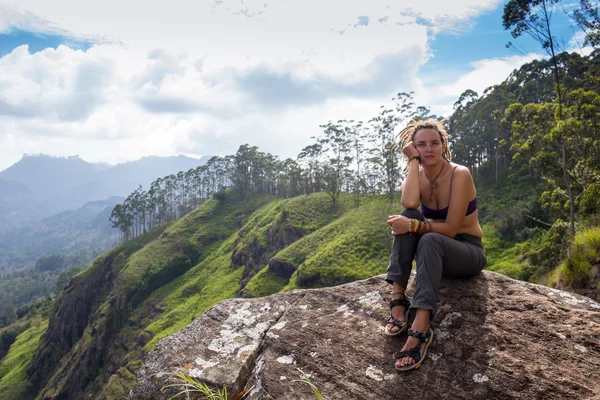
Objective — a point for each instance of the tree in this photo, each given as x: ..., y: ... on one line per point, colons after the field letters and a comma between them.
x: 588, y: 19
x: 539, y: 137
x: 384, y: 158
x: 310, y: 159
x: 357, y: 135
x: 336, y: 149
x: 534, y: 18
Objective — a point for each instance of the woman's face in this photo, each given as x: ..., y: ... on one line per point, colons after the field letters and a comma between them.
x: 429, y: 145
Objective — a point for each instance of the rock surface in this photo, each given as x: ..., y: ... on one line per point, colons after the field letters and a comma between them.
x: 495, y: 338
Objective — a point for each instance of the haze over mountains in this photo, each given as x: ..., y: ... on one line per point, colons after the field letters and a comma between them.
x: 40, y: 186
x: 50, y: 204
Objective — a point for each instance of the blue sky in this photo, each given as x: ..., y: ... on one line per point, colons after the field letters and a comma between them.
x: 114, y: 81
x: 454, y: 53
x: 38, y: 41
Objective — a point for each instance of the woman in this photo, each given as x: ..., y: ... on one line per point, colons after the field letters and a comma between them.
x: 445, y: 239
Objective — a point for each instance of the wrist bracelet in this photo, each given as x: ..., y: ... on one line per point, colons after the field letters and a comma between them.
x: 415, y: 158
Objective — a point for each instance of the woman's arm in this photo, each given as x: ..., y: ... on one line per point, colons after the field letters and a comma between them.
x: 411, y: 194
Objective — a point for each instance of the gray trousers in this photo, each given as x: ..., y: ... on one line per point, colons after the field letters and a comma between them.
x: 437, y: 255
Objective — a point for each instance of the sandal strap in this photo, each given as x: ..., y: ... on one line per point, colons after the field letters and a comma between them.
x: 395, y: 322
x: 414, y: 353
x: 400, y: 302
x: 423, y: 337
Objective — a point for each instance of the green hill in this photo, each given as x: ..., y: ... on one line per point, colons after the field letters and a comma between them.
x: 114, y: 312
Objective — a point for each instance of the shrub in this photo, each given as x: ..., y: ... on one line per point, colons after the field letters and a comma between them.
x: 585, y: 253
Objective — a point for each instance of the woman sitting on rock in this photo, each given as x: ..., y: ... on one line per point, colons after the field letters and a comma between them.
x: 444, y: 237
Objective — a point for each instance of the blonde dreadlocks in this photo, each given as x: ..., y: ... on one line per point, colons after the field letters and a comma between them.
x: 407, y: 134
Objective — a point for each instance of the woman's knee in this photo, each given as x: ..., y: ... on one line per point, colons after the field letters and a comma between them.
x: 412, y: 213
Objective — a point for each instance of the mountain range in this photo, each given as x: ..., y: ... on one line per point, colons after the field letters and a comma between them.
x: 41, y: 193
x: 39, y: 186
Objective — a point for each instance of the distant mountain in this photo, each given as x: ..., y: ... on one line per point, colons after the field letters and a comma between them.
x: 39, y: 186
x: 46, y: 175
x: 124, y: 178
x: 86, y: 228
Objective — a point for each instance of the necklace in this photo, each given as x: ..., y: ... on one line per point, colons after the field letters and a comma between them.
x: 433, y: 182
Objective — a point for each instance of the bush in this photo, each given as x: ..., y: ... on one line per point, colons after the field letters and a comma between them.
x: 575, y: 272
x: 546, y: 251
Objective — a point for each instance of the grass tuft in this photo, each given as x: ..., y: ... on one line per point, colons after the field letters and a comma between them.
x: 186, y: 384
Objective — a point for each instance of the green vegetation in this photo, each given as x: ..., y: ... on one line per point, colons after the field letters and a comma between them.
x: 13, y: 368
x: 190, y: 242
x: 353, y: 247
x: 580, y: 271
x: 264, y: 283
x: 306, y: 379
x: 502, y: 256
x: 187, y: 385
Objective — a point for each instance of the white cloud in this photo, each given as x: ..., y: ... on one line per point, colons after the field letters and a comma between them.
x: 484, y: 74
x: 61, y: 84
x: 205, y: 77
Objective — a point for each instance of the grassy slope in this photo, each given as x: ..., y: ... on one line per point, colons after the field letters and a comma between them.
x: 13, y: 369
x: 201, y: 244
x: 354, y: 246
x: 217, y: 277
x: 224, y: 249
x: 502, y: 256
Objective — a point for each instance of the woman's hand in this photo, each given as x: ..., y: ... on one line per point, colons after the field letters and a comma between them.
x: 410, y: 150
x: 398, y: 223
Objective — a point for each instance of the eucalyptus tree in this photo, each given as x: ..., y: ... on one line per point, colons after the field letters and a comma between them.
x: 587, y: 18
x: 290, y: 179
x: 117, y: 220
x: 539, y: 137
x: 534, y: 17
x: 477, y: 138
x: 242, y: 175
x: 384, y: 157
x: 335, y: 145
x: 358, y: 134
x: 309, y: 159
x: 188, y: 183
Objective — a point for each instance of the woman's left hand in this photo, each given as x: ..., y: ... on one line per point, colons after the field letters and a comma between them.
x: 398, y: 223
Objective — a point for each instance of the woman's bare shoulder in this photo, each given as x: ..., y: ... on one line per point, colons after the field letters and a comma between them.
x: 460, y: 169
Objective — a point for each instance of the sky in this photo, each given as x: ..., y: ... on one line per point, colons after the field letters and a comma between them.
x: 113, y: 81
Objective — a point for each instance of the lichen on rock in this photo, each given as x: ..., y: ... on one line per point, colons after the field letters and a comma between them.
x: 496, y: 338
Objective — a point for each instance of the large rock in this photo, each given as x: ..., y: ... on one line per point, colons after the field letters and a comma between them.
x: 495, y: 338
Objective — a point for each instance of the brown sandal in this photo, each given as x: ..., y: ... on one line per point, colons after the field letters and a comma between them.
x: 403, y: 302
